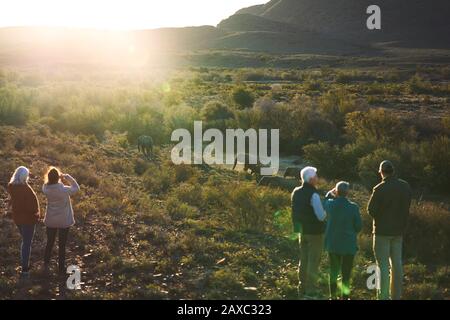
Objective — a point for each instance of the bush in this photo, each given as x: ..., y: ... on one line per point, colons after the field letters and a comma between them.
x: 85, y: 175
x: 13, y: 109
x: 121, y: 166
x: 337, y: 103
x: 188, y: 193
x: 428, y: 221
x: 185, y: 172
x: 140, y: 166
x: 378, y: 126
x: 368, y: 166
x: 158, y: 181
x: 216, y: 111
x: 327, y: 158
x: 419, y: 86
x: 242, y: 98
x: 247, y: 211
x: 435, y: 158
x: 180, y: 210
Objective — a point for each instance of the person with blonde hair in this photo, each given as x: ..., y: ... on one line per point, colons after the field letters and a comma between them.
x: 24, y: 206
x: 59, y: 213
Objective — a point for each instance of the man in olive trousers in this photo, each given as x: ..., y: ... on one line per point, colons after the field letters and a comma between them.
x: 308, y: 218
x: 389, y: 207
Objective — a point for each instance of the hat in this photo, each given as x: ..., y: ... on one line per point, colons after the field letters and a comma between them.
x: 386, y: 166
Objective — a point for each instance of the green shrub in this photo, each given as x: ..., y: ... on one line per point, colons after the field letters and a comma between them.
x: 435, y: 159
x: 327, y: 158
x: 242, y: 98
x: 158, y: 181
x: 378, y: 126
x: 428, y: 221
x: 368, y: 166
x: 121, y: 166
x: 178, y: 209
x: 85, y: 175
x: 314, y: 85
x: 13, y: 106
x: 188, y: 193
x: 419, y: 86
x: 140, y: 166
x: 215, y: 110
x: 246, y: 210
x: 185, y: 172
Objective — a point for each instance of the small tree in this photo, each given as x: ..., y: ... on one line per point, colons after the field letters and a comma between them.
x: 242, y: 98
x: 215, y: 110
x: 368, y: 166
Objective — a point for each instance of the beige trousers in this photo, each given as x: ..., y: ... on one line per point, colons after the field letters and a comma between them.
x: 388, y: 253
x: 310, y: 254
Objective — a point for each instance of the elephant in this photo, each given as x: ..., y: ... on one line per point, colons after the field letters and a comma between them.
x: 279, y: 182
x: 145, y: 145
x: 292, y: 172
x: 254, y: 168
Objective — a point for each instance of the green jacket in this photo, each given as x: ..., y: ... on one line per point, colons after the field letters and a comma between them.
x: 389, y: 207
x: 343, y: 226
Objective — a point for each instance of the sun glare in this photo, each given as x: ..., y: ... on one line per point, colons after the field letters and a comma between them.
x: 118, y: 14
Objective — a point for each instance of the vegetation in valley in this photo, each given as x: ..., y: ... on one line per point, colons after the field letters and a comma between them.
x: 150, y: 229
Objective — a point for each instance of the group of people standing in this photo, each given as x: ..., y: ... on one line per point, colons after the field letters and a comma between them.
x: 58, y: 218
x: 334, y: 224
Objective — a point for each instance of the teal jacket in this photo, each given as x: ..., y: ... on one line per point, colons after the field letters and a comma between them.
x: 343, y: 226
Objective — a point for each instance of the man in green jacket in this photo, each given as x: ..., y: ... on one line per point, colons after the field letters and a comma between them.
x: 389, y: 207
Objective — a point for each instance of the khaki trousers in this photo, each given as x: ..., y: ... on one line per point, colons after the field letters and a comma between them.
x: 310, y: 254
x: 388, y: 253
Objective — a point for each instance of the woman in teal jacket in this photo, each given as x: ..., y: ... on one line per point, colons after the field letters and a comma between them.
x: 343, y: 226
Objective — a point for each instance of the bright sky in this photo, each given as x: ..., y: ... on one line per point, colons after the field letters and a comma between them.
x: 118, y: 14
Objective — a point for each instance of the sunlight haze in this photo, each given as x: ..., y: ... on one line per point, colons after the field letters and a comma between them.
x: 118, y: 14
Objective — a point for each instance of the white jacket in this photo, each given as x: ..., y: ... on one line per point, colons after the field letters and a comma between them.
x: 59, y: 213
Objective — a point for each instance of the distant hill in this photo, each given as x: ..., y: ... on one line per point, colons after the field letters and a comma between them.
x: 405, y: 22
x: 250, y: 22
x: 250, y: 32
x: 331, y: 27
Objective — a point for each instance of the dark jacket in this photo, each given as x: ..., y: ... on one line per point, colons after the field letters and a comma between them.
x: 24, y: 203
x: 389, y: 207
x: 303, y: 217
x: 343, y: 225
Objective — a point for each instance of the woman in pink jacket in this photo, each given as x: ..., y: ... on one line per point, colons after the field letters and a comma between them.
x: 59, y: 214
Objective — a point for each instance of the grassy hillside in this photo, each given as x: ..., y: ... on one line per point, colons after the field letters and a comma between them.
x: 152, y: 230
x: 149, y: 229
